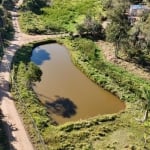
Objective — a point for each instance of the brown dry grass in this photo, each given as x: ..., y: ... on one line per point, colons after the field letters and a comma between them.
x: 108, y: 51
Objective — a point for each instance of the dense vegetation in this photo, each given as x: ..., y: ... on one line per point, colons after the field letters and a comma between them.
x: 35, y: 5
x: 123, y: 131
x: 6, y: 28
x: 6, y: 32
x: 87, y: 56
x: 86, y: 18
x: 8, y: 4
x: 24, y: 74
x: 61, y: 16
x: 123, y: 84
x: 130, y: 38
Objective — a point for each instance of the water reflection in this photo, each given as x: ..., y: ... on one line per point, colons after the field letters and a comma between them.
x: 78, y: 97
x: 62, y: 106
x: 41, y: 56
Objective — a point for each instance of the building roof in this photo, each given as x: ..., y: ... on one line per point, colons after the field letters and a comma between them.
x: 137, y: 6
x: 138, y: 9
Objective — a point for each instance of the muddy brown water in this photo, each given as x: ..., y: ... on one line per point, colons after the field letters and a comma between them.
x: 66, y: 91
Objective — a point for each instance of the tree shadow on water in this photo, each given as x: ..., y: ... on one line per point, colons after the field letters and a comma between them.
x: 62, y: 106
x: 39, y: 56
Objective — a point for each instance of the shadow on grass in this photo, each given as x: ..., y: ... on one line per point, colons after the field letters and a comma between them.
x: 6, y: 129
x: 6, y: 136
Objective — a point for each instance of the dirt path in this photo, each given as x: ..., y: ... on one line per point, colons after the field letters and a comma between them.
x: 18, y: 137
x: 109, y: 53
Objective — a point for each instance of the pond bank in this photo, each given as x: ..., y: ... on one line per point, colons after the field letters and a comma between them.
x: 68, y: 94
x: 90, y: 133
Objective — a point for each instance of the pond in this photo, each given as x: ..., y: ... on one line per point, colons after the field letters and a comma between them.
x: 68, y: 94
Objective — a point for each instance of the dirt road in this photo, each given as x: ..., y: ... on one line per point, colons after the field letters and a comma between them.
x: 18, y: 137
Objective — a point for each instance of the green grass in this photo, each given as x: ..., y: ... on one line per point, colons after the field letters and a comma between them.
x: 62, y: 16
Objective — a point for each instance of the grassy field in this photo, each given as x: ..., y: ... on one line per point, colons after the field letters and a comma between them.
x: 62, y: 16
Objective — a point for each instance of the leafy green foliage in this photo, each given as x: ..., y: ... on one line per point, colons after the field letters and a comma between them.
x: 83, y: 134
x: 34, y: 5
x: 24, y: 74
x: 132, y: 39
x: 6, y: 28
x: 61, y: 16
x: 8, y: 4
x: 34, y: 73
x: 117, y: 30
x: 136, y: 1
x: 123, y: 84
x: 139, y: 44
x: 85, y: 54
x: 90, y: 27
x: 116, y: 80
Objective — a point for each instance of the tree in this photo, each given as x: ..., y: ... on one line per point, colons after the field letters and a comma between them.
x: 34, y: 72
x: 8, y: 4
x: 136, y: 1
x: 145, y: 29
x: 139, y: 40
x: 6, y: 28
x: 107, y: 4
x: 27, y: 74
x: 146, y: 96
x: 117, y: 30
x: 34, y: 5
x: 90, y: 27
x: 87, y: 48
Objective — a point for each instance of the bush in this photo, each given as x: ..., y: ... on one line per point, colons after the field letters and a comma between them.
x: 112, y: 78
x: 61, y: 16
